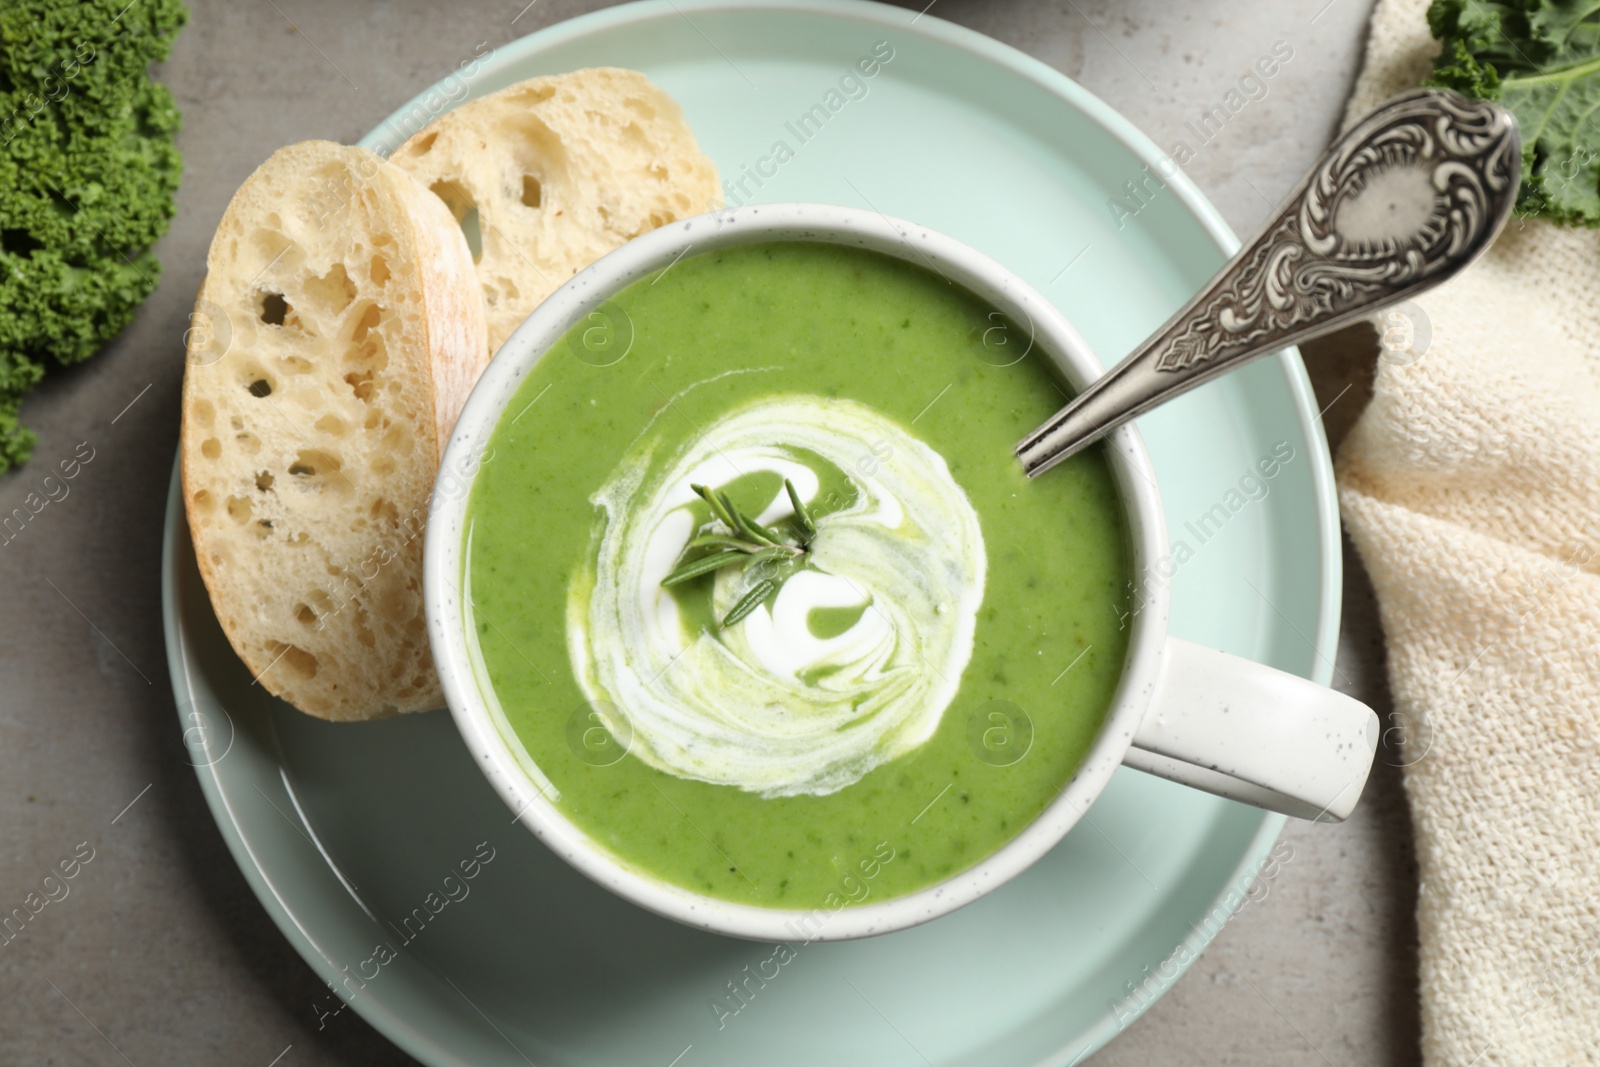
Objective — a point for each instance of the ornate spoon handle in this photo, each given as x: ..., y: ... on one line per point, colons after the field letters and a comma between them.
x: 1400, y: 204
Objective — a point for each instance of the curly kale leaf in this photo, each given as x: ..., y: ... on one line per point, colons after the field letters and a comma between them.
x: 89, y: 171
x: 1540, y: 59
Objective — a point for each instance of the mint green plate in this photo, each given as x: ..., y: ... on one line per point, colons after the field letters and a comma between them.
x: 344, y: 830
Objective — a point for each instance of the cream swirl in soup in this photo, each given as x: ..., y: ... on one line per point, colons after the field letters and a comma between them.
x: 849, y: 664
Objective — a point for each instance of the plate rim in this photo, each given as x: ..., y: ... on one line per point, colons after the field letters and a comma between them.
x: 398, y: 1029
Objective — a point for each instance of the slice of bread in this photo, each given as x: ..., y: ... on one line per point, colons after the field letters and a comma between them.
x: 550, y: 174
x: 336, y: 336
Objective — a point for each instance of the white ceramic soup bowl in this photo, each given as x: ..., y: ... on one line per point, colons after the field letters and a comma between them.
x: 1188, y: 713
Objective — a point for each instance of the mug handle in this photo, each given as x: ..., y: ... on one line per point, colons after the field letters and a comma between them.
x: 1248, y: 732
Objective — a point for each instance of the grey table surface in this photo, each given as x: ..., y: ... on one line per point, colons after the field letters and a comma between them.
x: 163, y: 956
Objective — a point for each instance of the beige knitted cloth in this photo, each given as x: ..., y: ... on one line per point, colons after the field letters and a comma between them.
x: 1471, y: 487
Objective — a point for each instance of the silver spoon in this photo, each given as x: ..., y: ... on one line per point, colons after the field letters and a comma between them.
x: 1411, y: 195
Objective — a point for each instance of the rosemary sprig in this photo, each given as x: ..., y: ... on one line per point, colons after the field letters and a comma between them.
x: 750, y: 601
x: 801, y: 515
x: 747, y: 541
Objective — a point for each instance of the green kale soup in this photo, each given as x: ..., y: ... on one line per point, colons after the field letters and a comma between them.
x: 880, y: 650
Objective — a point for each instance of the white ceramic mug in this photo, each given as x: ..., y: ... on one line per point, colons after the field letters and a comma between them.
x: 1206, y: 719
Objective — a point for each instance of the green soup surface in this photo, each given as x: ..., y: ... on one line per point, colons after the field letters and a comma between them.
x: 967, y: 625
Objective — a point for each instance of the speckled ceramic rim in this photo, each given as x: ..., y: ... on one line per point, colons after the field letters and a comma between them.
x: 496, y: 751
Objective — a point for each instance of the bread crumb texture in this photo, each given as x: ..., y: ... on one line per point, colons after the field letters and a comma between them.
x: 550, y: 174
x: 310, y: 431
